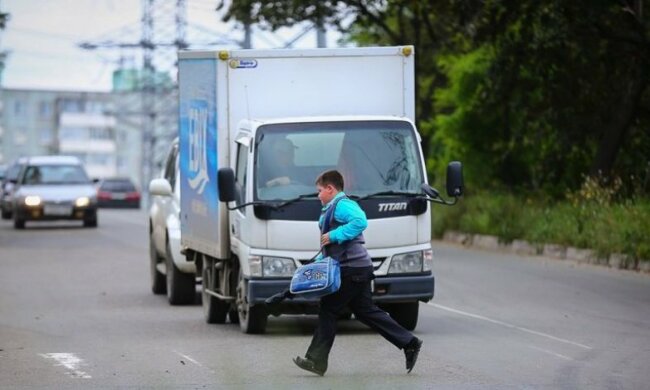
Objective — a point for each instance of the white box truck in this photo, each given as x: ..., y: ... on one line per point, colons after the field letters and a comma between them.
x: 256, y: 128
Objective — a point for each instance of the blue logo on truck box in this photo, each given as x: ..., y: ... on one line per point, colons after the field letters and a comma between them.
x: 198, y: 150
x: 198, y: 159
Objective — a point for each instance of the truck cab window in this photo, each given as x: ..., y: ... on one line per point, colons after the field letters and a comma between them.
x: 240, y: 175
x: 373, y: 156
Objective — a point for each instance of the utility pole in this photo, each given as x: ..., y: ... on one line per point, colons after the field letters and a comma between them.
x: 4, y: 17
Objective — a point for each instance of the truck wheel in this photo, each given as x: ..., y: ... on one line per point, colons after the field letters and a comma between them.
x: 181, y: 287
x: 90, y: 223
x: 405, y: 313
x: 214, y: 309
x: 19, y: 223
x: 252, y: 319
x: 233, y: 315
x: 158, y: 285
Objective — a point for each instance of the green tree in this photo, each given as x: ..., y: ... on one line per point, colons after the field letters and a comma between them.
x: 529, y: 94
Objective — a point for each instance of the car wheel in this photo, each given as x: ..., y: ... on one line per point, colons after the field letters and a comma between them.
x: 158, y: 283
x: 181, y: 287
x: 90, y: 223
x: 214, y: 309
x: 405, y: 314
x: 252, y: 319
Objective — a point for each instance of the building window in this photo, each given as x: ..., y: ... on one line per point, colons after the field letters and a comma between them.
x: 101, y: 133
x: 73, y: 133
x: 46, y: 136
x: 19, y: 108
x: 71, y: 105
x: 44, y: 110
x: 95, y: 107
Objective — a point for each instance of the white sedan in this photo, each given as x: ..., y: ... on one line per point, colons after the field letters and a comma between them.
x: 171, y: 272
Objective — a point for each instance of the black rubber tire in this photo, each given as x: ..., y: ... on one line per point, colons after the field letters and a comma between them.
x: 6, y: 214
x: 90, y: 223
x: 405, y: 313
x: 233, y: 315
x: 252, y: 319
x: 19, y: 223
x: 158, y: 282
x: 181, y: 287
x: 214, y: 309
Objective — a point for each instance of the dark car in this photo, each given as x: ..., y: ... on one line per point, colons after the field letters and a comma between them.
x: 118, y: 192
x: 7, y: 185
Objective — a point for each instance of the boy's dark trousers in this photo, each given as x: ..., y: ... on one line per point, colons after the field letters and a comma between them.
x: 354, y: 293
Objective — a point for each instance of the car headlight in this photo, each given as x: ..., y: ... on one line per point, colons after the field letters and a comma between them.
x: 406, y: 262
x: 82, y: 202
x: 32, y: 200
x: 277, y: 266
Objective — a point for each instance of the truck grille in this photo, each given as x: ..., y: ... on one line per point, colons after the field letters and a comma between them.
x: 376, y: 262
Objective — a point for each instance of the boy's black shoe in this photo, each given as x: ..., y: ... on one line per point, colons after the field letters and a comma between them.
x: 411, y: 352
x: 309, y: 365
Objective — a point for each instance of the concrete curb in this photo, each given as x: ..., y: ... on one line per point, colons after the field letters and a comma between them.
x: 522, y: 247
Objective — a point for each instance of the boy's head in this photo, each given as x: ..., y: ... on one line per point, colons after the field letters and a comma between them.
x: 329, y: 183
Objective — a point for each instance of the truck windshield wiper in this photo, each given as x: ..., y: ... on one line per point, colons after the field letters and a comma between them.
x: 297, y: 198
x: 381, y: 193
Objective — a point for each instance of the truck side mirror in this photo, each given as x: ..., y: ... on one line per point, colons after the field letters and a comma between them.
x: 226, y: 180
x: 455, y: 179
x: 430, y: 191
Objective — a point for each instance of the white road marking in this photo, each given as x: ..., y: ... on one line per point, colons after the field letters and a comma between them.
x: 480, y: 317
x: 189, y: 358
x: 551, y: 353
x: 69, y: 361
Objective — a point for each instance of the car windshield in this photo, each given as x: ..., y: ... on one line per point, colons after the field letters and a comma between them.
x: 54, y: 174
x: 373, y: 156
x: 117, y: 186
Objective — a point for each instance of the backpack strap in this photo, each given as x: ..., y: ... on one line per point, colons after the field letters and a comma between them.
x: 329, y: 216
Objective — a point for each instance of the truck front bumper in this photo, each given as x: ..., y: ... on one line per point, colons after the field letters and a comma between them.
x: 386, y: 289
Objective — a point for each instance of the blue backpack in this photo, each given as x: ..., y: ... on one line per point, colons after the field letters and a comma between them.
x: 320, y: 278
x: 317, y: 279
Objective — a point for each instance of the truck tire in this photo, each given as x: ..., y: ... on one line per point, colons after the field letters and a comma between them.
x: 405, y: 313
x: 158, y: 285
x: 214, y: 309
x: 181, y: 287
x: 252, y: 319
x: 19, y: 223
x: 90, y: 223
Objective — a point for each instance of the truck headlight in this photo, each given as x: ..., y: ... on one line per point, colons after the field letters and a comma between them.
x: 277, y: 266
x: 255, y: 265
x: 82, y: 202
x: 406, y: 262
x: 32, y: 200
x: 427, y: 265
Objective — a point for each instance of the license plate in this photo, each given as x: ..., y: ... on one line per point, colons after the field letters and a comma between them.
x: 118, y: 196
x: 57, y: 210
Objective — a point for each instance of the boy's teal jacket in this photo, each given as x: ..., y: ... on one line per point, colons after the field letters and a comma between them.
x: 350, y: 215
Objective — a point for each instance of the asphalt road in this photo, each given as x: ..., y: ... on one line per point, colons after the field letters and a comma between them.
x: 76, y: 312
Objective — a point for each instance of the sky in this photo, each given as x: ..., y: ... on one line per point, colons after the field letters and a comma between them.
x: 42, y: 38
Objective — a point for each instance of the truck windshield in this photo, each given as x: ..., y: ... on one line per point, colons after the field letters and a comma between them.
x: 373, y: 156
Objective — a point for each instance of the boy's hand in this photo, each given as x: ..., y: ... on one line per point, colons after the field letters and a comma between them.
x: 325, y: 239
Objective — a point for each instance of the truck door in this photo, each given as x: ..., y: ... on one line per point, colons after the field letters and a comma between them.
x: 241, y: 175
